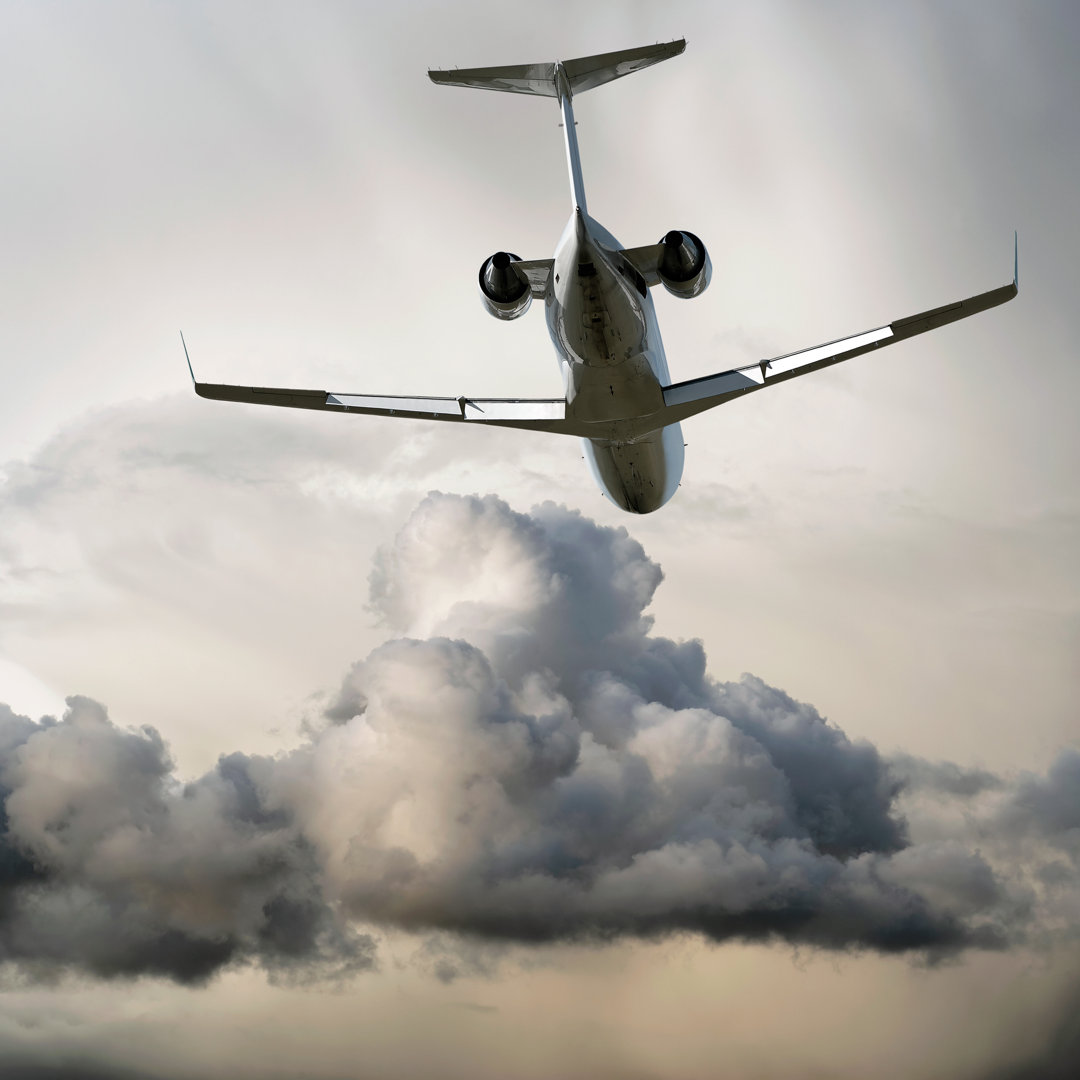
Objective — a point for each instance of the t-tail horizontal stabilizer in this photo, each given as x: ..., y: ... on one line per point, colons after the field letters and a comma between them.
x: 583, y: 74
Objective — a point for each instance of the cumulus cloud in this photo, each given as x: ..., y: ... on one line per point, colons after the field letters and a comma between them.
x: 110, y: 865
x: 526, y: 761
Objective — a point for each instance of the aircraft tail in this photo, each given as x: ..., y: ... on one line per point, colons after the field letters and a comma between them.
x: 542, y: 79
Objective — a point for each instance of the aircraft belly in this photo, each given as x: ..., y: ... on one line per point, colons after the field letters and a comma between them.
x: 615, y: 392
x: 599, y: 333
x: 614, y: 369
x: 638, y: 476
x: 593, y: 312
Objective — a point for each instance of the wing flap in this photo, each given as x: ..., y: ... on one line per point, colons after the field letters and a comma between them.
x: 833, y: 351
x: 721, y: 387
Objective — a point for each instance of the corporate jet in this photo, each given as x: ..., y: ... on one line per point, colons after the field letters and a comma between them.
x: 617, y: 393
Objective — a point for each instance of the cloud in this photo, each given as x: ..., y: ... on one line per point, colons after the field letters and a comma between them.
x: 526, y: 762
x: 942, y: 777
x: 112, y: 867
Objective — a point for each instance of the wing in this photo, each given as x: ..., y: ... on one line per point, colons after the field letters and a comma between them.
x: 532, y: 414
x: 535, y: 414
x: 696, y: 395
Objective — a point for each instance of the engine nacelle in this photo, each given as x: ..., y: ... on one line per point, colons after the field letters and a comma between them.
x: 506, y: 294
x: 684, y: 268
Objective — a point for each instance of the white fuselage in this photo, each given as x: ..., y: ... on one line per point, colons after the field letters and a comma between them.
x: 603, y: 325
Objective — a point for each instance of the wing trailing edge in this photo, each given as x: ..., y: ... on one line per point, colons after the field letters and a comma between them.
x: 536, y: 414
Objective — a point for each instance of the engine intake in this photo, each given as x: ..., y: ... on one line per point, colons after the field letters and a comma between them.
x: 685, y: 268
x: 506, y: 294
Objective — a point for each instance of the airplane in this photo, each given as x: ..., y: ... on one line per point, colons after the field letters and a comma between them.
x: 618, y: 396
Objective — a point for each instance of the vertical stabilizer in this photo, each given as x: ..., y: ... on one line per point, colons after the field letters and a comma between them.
x: 573, y: 157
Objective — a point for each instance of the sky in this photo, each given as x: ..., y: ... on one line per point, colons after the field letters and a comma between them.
x: 351, y: 748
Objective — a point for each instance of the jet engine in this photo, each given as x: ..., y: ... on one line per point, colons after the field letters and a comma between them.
x: 684, y: 267
x: 506, y: 294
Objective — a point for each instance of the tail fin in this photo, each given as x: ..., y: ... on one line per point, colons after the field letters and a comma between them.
x: 583, y: 73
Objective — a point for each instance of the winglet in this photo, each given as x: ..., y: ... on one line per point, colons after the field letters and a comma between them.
x: 188, y: 359
x: 1016, y: 260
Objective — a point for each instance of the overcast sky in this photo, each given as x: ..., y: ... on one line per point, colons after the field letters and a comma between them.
x: 358, y: 781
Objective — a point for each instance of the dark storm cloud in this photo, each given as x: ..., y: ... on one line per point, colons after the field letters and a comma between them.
x: 942, y: 777
x: 584, y: 778
x: 112, y: 867
x: 1049, y: 805
x: 528, y: 762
